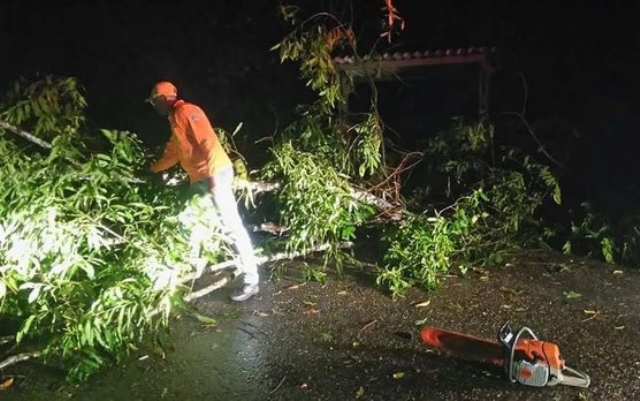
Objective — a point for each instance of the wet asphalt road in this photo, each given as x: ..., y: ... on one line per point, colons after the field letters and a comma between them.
x: 348, y: 341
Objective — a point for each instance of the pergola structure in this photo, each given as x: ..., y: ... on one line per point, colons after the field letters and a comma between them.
x: 389, y: 65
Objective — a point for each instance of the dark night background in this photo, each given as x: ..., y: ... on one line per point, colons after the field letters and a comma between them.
x: 579, y: 58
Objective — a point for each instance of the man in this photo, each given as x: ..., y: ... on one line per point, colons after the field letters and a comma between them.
x: 195, y: 145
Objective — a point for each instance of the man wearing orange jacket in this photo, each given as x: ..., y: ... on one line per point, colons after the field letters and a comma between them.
x: 195, y: 145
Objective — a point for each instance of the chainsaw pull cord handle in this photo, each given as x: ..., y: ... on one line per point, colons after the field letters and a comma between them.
x: 509, y: 364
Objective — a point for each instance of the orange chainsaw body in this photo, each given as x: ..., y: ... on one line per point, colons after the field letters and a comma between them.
x: 536, y: 350
x: 526, y: 360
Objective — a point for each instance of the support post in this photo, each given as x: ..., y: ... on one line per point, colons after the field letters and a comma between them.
x: 483, y: 93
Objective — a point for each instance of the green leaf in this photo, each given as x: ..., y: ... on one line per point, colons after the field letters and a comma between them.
x: 205, y: 319
x: 88, y: 268
x: 25, y: 329
x: 35, y: 292
x: 88, y: 333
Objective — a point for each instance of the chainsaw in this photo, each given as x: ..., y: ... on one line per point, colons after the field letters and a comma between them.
x: 525, y: 358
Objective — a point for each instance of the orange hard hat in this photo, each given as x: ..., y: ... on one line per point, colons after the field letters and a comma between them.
x: 163, y: 88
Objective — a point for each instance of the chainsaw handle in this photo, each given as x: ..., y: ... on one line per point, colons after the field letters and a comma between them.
x: 508, y: 363
x: 575, y: 378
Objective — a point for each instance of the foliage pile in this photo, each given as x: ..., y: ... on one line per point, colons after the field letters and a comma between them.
x: 315, y: 202
x: 91, y: 257
x: 482, y: 200
x: 320, y: 157
x: 486, y: 205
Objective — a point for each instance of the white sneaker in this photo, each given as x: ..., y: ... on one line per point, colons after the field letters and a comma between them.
x: 244, y: 292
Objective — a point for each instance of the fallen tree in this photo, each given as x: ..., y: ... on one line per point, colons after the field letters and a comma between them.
x: 254, y: 187
x: 92, y: 249
x: 92, y: 254
x: 219, y: 282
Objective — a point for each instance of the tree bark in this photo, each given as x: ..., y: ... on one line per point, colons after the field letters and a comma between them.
x: 7, y: 339
x: 273, y: 258
x: 12, y: 360
x: 359, y: 195
x: 24, y: 134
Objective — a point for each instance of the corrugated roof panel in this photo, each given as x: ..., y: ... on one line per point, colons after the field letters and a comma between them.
x: 460, y: 51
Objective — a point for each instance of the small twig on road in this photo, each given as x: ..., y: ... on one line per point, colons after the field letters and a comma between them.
x: 366, y: 326
x: 592, y: 317
x: 278, y: 386
x: 296, y: 286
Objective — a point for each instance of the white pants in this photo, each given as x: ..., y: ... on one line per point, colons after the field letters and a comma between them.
x: 225, y: 201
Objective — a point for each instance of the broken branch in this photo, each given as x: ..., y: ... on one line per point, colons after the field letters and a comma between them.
x: 273, y: 258
x: 207, y: 290
x: 254, y: 186
x: 24, y: 134
x: 359, y: 195
x: 7, y: 339
x: 12, y: 360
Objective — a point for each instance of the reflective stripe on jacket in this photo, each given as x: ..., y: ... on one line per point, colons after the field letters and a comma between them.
x: 193, y: 143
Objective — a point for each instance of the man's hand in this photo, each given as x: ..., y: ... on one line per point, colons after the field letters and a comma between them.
x: 171, y: 180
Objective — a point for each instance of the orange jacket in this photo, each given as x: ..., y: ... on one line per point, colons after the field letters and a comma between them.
x: 193, y: 144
